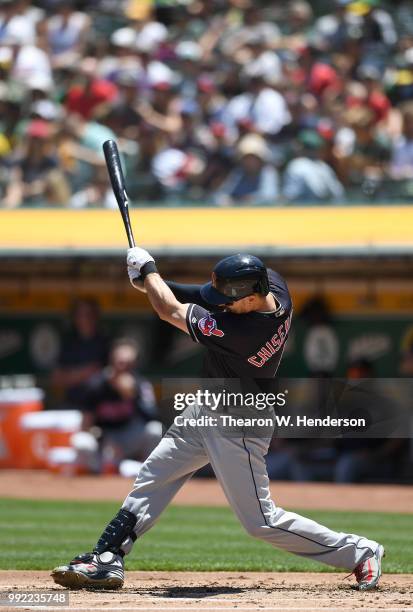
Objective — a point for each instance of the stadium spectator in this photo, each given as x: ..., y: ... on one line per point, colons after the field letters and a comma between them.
x: 264, y: 109
x: 252, y: 25
x: 35, y: 175
x: 95, y: 194
x: 84, y: 97
x: 67, y: 31
x: 11, y: 98
x: 308, y: 178
x: 333, y: 29
x: 80, y: 148
x: 15, y: 23
x: 27, y: 63
x: 123, y: 117
x: 401, y: 163
x: 254, y: 179
x: 376, y: 98
x: 218, y: 142
x: 122, y: 405
x: 189, y: 55
x: 84, y: 353
x: 377, y: 26
x: 177, y: 171
x: 210, y: 100
x: 362, y: 160
x: 121, y: 55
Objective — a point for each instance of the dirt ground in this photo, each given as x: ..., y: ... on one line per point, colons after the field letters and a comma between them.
x: 216, y: 591
x: 36, y: 484
x: 182, y: 591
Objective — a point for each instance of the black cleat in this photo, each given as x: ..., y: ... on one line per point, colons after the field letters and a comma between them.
x: 91, y: 571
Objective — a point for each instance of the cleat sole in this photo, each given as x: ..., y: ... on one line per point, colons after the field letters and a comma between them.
x: 77, y: 580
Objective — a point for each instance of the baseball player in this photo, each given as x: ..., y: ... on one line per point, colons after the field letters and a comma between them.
x: 242, y: 318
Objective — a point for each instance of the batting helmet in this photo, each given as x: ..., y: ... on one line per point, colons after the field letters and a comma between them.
x: 234, y: 278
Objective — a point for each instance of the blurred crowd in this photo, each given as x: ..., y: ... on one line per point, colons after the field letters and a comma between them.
x: 219, y: 101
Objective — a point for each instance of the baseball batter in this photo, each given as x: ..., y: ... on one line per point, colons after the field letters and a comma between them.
x: 243, y: 319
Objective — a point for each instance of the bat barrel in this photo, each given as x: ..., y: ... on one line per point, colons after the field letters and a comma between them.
x: 113, y: 164
x: 110, y: 150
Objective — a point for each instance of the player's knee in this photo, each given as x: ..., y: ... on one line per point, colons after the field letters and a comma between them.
x: 256, y: 530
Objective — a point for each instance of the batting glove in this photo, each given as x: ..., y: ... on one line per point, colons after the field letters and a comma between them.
x: 137, y: 258
x: 134, y: 277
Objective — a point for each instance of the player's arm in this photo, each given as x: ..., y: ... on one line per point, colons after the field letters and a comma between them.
x: 187, y: 293
x: 164, y: 302
x: 184, y: 293
x: 142, y: 265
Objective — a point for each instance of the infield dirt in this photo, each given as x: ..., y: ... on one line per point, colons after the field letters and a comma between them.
x: 211, y: 591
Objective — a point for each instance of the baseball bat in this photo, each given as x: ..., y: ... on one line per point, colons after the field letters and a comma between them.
x: 110, y: 149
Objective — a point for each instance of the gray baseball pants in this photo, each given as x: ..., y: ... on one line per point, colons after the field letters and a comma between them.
x: 239, y: 465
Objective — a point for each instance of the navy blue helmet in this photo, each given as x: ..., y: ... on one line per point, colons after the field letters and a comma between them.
x: 234, y: 278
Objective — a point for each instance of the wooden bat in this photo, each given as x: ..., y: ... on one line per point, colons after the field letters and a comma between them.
x: 110, y: 149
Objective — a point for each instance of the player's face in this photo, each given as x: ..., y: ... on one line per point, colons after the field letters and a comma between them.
x: 242, y: 306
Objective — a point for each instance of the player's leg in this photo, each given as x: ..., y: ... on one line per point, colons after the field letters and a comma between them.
x: 137, y: 439
x: 239, y: 465
x: 169, y: 466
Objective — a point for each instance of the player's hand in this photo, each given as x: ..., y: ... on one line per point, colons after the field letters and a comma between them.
x: 137, y: 258
x: 136, y: 280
